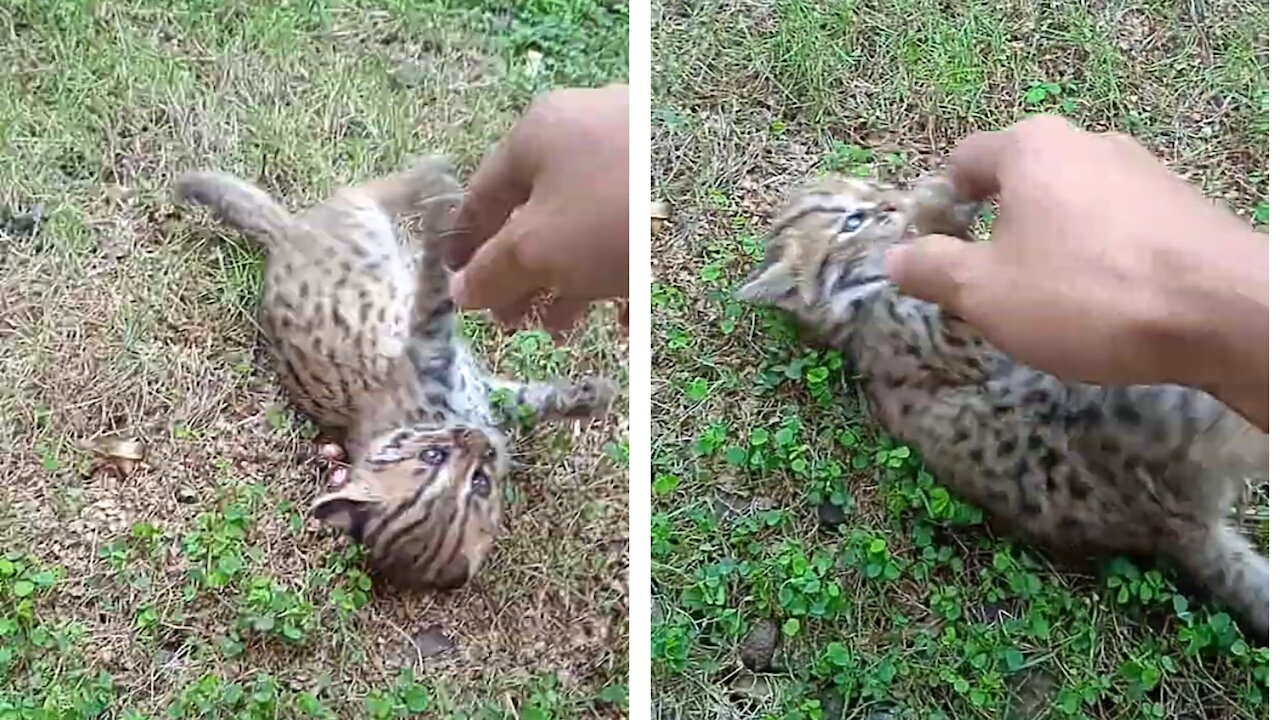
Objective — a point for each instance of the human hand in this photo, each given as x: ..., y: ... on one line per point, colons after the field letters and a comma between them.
x: 547, y: 212
x: 1103, y: 265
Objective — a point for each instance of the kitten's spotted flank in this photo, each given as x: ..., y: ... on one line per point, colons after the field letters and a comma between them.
x: 369, y: 349
x: 1075, y: 467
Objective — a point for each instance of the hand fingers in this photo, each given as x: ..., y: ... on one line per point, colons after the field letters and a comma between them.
x: 975, y: 164
x: 497, y: 277
x: 1125, y: 143
x: 941, y: 269
x: 562, y: 314
x: 981, y: 162
x: 502, y: 183
x: 511, y: 315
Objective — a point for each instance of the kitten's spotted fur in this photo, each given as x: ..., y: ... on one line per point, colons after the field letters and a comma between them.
x: 369, y: 349
x: 1075, y: 467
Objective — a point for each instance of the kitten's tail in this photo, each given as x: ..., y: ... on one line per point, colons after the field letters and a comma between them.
x: 1226, y: 563
x: 236, y: 203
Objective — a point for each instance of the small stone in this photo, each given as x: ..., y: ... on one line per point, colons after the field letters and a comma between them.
x: 830, y: 516
x: 1032, y: 691
x: 118, y: 193
x: 186, y: 495
x: 758, y: 647
x: 751, y: 688
x: 409, y: 74
x: 24, y: 223
x: 833, y: 704
x: 725, y: 505
x: 881, y: 711
x: 433, y: 641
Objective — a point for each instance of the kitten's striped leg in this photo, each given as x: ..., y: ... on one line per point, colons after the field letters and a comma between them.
x: 431, y: 194
x: 530, y: 403
x: 1229, y: 567
x: 429, y: 186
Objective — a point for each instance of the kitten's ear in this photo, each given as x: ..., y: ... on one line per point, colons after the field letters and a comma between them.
x: 348, y: 508
x: 768, y: 284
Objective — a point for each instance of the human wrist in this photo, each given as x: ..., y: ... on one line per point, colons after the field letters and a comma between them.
x: 1216, y: 322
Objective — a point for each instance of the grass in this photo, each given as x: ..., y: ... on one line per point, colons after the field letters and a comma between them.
x: 777, y: 504
x: 191, y: 584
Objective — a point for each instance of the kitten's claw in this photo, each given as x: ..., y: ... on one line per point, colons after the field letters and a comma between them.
x: 338, y: 477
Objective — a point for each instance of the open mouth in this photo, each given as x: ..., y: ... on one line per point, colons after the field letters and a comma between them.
x: 332, y: 458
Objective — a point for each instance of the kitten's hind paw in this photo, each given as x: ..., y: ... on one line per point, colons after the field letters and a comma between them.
x: 562, y: 399
x: 585, y: 397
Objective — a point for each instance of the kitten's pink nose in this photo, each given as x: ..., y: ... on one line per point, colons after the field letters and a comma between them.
x: 471, y: 439
x: 887, y: 207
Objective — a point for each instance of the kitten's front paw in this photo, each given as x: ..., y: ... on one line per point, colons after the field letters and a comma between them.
x: 434, y: 169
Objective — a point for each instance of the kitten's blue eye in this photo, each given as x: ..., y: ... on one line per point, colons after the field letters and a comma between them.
x: 853, y: 221
x: 434, y: 455
x: 480, y: 484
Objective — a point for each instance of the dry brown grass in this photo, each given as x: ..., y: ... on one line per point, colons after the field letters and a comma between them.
x: 122, y: 316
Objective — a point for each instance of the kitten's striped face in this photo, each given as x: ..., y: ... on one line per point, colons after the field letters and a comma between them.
x: 426, y: 503
x: 833, y: 228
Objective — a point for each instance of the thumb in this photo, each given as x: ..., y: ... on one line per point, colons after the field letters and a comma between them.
x: 499, y: 275
x: 939, y: 269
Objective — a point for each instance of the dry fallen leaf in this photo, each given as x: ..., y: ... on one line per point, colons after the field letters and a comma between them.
x: 119, y: 454
x: 659, y: 213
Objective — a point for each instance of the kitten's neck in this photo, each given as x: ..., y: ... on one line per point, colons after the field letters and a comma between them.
x: 450, y: 383
x: 865, y: 315
x: 848, y: 290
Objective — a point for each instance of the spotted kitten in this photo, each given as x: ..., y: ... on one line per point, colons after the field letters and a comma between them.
x: 1075, y: 467
x: 369, y: 348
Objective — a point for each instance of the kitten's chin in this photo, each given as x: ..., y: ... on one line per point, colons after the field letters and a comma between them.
x: 873, y: 263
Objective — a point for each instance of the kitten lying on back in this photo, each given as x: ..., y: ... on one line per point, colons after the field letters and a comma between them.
x: 371, y: 352
x: 1075, y: 467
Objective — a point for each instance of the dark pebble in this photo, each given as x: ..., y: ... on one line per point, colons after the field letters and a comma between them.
x: 830, y: 516
x: 433, y: 641
x: 758, y: 647
x: 24, y: 223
